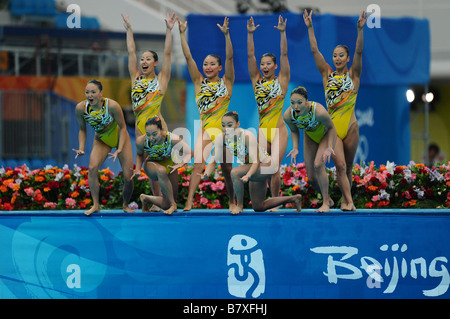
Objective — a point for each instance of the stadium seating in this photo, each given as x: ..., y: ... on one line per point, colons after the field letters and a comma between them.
x: 33, y: 7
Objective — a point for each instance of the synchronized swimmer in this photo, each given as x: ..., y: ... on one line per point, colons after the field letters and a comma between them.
x: 331, y: 132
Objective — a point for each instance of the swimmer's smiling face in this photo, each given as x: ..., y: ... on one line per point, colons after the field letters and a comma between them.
x: 340, y: 57
x: 211, y: 67
x: 148, y: 63
x: 267, y: 67
x: 93, y: 94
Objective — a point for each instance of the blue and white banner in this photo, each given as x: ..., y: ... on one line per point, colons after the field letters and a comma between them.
x: 213, y: 255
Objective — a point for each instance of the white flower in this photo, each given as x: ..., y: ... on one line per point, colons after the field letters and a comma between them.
x: 384, y: 195
x: 436, y: 176
x: 407, y: 174
x: 58, y: 176
x: 133, y: 205
x: 420, y: 193
x: 390, y: 167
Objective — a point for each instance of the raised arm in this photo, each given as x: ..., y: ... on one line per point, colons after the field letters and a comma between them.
x: 133, y: 67
x: 356, y: 68
x: 229, y: 65
x: 252, y: 64
x: 295, y: 135
x: 323, y: 67
x: 285, y: 73
x: 164, y: 74
x: 192, y: 66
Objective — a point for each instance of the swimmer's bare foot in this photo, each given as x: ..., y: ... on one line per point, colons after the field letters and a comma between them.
x: 155, y: 208
x: 172, y: 208
x: 323, y: 208
x: 275, y: 209
x: 94, y: 209
x: 348, y: 207
x: 236, y: 210
x: 298, y: 202
x: 188, y: 206
x: 146, y: 200
x: 127, y: 209
x: 232, y: 207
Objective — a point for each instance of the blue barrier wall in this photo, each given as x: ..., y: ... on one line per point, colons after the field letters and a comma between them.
x: 394, y: 57
x: 206, y: 254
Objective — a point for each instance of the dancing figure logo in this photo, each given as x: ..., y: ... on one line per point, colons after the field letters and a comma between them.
x: 246, y: 275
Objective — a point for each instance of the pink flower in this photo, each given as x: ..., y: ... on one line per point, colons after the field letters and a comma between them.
x: 204, y: 201
x: 217, y: 204
x: 375, y: 198
x: 29, y: 191
x: 203, y: 185
x: 448, y: 195
x: 70, y: 202
x: 447, y: 176
x: 300, y: 165
x: 50, y: 205
x: 218, y: 186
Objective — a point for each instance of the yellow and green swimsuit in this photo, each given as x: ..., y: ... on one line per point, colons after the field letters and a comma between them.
x: 268, y: 95
x: 212, y: 102
x: 340, y: 96
x: 236, y: 145
x: 146, y: 100
x: 160, y: 153
x: 106, y: 128
x: 313, y: 128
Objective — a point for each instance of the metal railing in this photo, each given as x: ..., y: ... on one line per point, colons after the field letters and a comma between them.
x: 34, y: 125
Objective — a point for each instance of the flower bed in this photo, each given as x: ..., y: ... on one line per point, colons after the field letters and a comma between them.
x: 386, y: 186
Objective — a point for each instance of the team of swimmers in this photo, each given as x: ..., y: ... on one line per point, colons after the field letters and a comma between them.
x: 331, y: 132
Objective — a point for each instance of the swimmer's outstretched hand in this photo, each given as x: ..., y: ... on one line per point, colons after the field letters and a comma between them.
x: 79, y: 153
